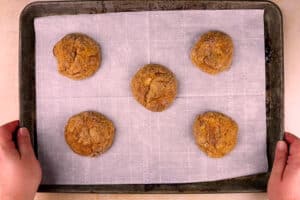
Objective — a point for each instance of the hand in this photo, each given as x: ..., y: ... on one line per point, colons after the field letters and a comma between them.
x: 284, y: 181
x: 20, y: 172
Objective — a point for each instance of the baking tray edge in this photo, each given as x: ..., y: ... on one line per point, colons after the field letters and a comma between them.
x: 274, y: 84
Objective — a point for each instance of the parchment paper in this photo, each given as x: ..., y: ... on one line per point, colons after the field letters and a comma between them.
x: 152, y: 147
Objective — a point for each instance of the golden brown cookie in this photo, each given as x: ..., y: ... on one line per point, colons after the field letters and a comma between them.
x: 215, y: 133
x: 78, y: 56
x: 213, y: 52
x: 89, y: 133
x: 154, y: 86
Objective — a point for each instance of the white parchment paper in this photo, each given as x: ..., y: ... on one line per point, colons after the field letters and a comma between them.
x: 152, y: 147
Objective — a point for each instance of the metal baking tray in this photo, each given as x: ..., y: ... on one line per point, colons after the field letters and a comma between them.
x: 274, y: 84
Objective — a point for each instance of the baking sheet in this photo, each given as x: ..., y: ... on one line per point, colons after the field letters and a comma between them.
x: 152, y: 147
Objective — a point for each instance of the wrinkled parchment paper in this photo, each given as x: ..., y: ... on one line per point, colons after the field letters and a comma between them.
x: 152, y: 147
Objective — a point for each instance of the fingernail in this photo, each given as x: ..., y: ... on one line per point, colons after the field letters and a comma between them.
x: 281, y: 145
x: 24, y: 132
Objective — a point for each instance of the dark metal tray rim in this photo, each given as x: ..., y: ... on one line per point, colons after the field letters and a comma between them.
x: 274, y: 84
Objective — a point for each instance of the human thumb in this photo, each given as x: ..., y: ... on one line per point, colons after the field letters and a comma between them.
x: 280, y: 160
x: 24, y: 144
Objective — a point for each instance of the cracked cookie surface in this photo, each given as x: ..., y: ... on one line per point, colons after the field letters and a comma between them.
x: 89, y: 133
x: 154, y: 86
x: 78, y: 56
x: 213, y: 52
x: 215, y: 133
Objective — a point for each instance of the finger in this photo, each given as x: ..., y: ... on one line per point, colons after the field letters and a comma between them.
x: 7, y: 146
x: 295, y: 147
x: 11, y: 126
x: 294, y: 160
x: 24, y: 144
x: 6, y: 132
x: 280, y: 160
x: 290, y: 138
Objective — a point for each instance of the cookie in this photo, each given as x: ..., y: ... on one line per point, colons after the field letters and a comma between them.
x: 78, y: 56
x: 89, y: 133
x: 215, y: 133
x: 213, y: 52
x: 155, y: 87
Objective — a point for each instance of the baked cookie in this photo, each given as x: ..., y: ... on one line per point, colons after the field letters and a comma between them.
x: 213, y: 52
x: 154, y: 86
x: 78, y: 56
x: 89, y: 133
x: 215, y: 133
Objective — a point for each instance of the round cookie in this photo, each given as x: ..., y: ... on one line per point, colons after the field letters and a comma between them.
x: 154, y: 86
x: 78, y: 56
x: 215, y: 133
x: 89, y: 133
x: 213, y: 52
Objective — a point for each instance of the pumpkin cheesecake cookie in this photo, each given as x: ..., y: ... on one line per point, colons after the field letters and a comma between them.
x: 78, y: 56
x: 215, y: 133
x: 154, y: 86
x: 213, y: 52
x: 89, y: 133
